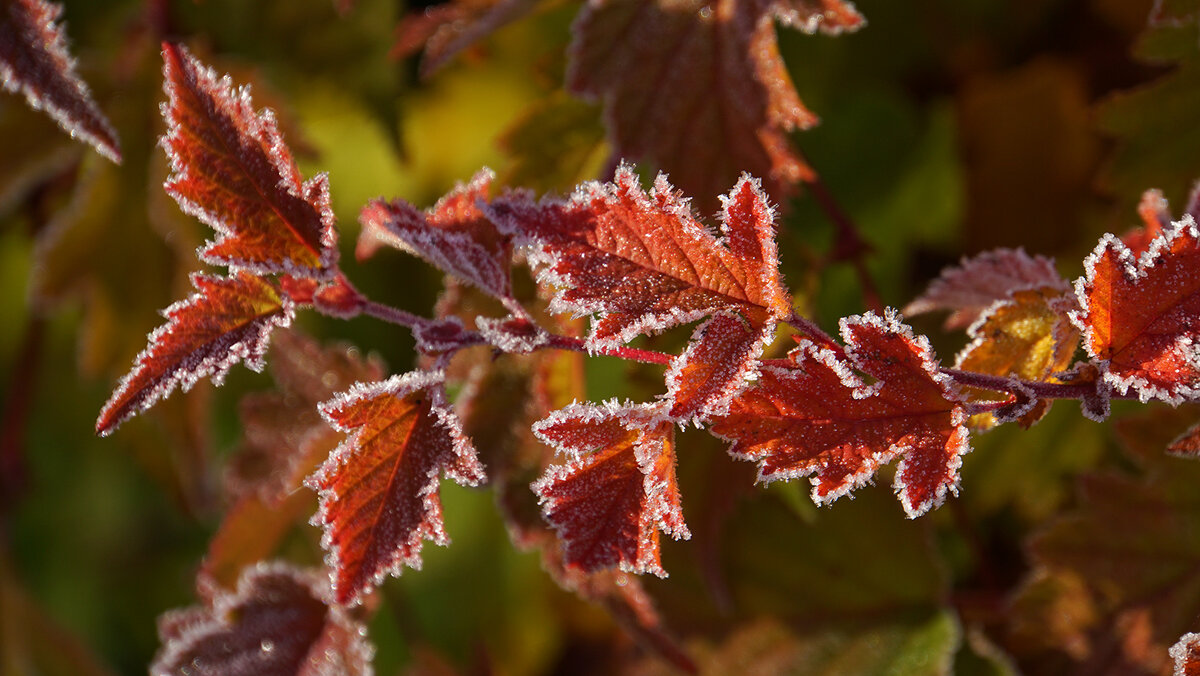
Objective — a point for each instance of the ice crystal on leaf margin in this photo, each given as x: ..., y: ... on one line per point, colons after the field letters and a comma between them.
x: 232, y: 170
x: 1186, y: 654
x: 618, y: 488
x: 227, y: 320
x: 817, y: 416
x: 641, y: 263
x: 379, y: 489
x: 34, y: 61
x: 1140, y: 317
x: 279, y: 622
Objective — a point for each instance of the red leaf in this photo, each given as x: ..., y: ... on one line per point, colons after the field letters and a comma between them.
x: 34, y: 61
x: 697, y: 87
x: 817, y: 417
x: 977, y: 283
x: 280, y: 622
x: 643, y: 264
x: 1141, y: 317
x: 233, y: 171
x: 618, y: 491
x: 722, y: 354
x: 228, y: 320
x: 454, y: 235
x: 379, y: 489
x: 1186, y: 654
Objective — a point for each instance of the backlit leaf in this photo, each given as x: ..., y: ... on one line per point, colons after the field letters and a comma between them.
x: 454, y: 235
x: 1141, y: 316
x: 977, y: 283
x: 279, y: 622
x: 698, y: 88
x: 641, y: 264
x: 35, y: 62
x: 379, y: 489
x: 226, y: 321
x: 618, y: 490
x: 817, y: 417
x: 447, y: 29
x: 232, y: 170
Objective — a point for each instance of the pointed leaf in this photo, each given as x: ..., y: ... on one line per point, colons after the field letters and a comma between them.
x: 618, y: 490
x: 279, y: 622
x: 226, y: 321
x: 35, y: 62
x: 642, y: 263
x: 721, y: 356
x: 977, y: 283
x: 1141, y: 316
x: 379, y: 489
x: 454, y: 235
x: 715, y: 66
x: 817, y: 417
x: 232, y: 170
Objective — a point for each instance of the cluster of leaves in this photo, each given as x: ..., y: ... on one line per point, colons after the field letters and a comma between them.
x: 499, y: 363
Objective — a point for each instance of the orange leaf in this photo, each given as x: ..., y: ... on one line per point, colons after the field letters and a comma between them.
x: 34, y: 61
x: 232, y: 170
x: 609, y: 502
x: 379, y: 488
x: 816, y: 416
x: 279, y: 621
x: 642, y: 263
x: 1186, y: 654
x: 228, y: 320
x: 697, y: 87
x: 1140, y: 317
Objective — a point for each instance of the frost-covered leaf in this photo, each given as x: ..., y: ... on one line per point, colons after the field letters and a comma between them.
x: 379, y: 489
x: 698, y: 88
x: 232, y: 170
x: 226, y: 321
x: 722, y: 355
x: 977, y: 283
x: 1186, y: 653
x: 281, y: 621
x: 35, y: 62
x: 1155, y: 215
x: 1029, y: 336
x: 617, y: 490
x: 1141, y: 316
x: 454, y: 235
x: 641, y: 263
x: 817, y: 417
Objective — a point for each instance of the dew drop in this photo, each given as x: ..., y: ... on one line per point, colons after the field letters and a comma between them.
x: 706, y: 12
x: 267, y: 646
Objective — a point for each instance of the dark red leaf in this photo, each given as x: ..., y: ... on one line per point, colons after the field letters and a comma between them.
x: 454, y: 235
x: 618, y: 490
x: 279, y: 622
x: 35, y: 62
x: 698, y: 88
x: 233, y: 171
x: 817, y: 417
x: 379, y: 489
x: 1186, y: 654
x: 226, y: 321
x: 1141, y: 317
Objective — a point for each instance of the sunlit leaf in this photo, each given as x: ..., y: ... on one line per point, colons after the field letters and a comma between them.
x: 379, y: 489
x: 280, y: 622
x: 698, y: 88
x: 232, y: 170
x: 226, y: 321
x: 1186, y: 654
x: 35, y: 62
x: 617, y: 492
x: 817, y: 417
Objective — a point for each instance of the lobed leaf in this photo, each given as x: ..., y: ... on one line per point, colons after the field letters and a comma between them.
x: 232, y: 170
x: 228, y: 319
x: 454, y: 235
x: 641, y: 263
x: 618, y: 490
x: 815, y: 416
x: 379, y: 489
x: 978, y: 283
x: 1140, y: 317
x: 698, y: 88
x: 34, y: 61
x: 279, y: 622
